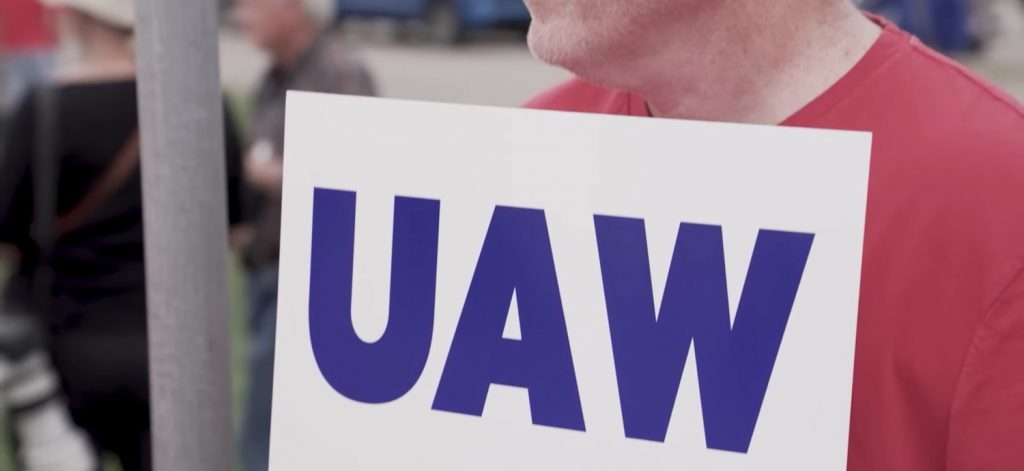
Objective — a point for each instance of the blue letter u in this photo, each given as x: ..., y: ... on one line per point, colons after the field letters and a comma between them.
x: 385, y: 370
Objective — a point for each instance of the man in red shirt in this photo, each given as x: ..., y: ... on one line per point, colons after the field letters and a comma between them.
x: 26, y: 42
x: 939, y: 375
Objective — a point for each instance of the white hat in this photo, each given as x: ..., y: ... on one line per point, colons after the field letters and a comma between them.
x: 118, y: 13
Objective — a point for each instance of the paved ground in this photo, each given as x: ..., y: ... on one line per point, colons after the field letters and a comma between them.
x: 1003, y: 62
x: 498, y: 69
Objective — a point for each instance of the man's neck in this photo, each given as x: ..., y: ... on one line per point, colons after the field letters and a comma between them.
x: 754, y: 69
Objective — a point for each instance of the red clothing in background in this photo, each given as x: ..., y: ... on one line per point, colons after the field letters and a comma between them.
x: 939, y: 376
x: 24, y: 26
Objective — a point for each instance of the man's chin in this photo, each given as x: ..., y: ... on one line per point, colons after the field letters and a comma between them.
x: 538, y: 43
x: 553, y: 47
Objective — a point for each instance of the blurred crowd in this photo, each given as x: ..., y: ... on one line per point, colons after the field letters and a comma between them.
x: 73, y: 322
x: 73, y: 365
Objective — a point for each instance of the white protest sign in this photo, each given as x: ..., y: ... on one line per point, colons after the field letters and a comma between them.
x: 467, y: 288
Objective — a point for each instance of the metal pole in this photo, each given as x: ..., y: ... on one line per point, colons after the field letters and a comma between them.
x: 186, y: 234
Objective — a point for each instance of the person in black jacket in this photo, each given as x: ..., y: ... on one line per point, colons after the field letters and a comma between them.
x: 95, y: 292
x: 46, y: 438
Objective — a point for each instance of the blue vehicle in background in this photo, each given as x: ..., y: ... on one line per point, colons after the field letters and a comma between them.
x: 448, y: 20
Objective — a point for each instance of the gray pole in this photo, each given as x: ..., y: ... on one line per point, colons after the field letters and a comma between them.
x: 186, y: 234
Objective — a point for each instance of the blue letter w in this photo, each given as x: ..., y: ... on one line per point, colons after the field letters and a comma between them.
x: 734, y: 363
x: 386, y: 370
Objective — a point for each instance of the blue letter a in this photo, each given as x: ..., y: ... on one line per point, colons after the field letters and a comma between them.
x: 516, y: 258
x: 387, y: 369
x: 734, y: 363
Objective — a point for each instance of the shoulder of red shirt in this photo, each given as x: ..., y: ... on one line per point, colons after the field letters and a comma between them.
x: 970, y: 132
x: 945, y: 222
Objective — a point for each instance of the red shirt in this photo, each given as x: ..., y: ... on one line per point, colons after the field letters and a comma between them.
x: 939, y: 376
x: 24, y: 26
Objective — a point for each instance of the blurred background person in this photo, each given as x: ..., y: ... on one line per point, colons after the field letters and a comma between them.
x: 70, y: 202
x: 46, y: 438
x: 304, y: 56
x: 27, y: 41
